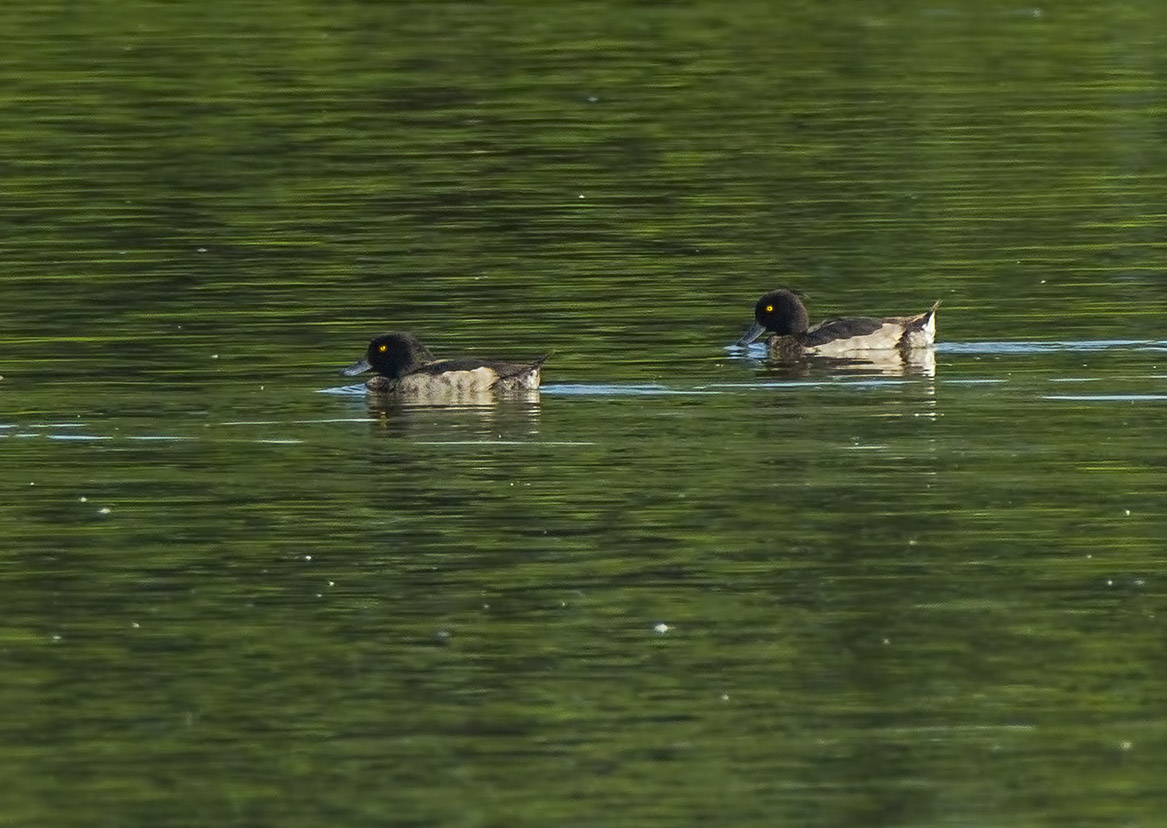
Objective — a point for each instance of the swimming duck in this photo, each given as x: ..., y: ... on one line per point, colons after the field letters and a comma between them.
x: 406, y: 367
x: 783, y: 313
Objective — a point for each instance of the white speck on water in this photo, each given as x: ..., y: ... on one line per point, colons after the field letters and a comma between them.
x: 661, y: 628
x: 1126, y: 512
x: 581, y: 195
x: 1109, y: 582
x: 202, y: 250
x: 214, y: 356
x: 307, y: 557
x: 83, y: 499
x: 887, y: 642
x: 725, y: 697
x: 135, y: 625
x: 56, y: 637
x: 104, y: 510
x: 1126, y: 745
x: 332, y: 583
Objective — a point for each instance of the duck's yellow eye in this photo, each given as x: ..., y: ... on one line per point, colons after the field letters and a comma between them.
x: 769, y: 309
x: 382, y: 348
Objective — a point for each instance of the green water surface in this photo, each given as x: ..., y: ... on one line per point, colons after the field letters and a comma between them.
x: 683, y: 585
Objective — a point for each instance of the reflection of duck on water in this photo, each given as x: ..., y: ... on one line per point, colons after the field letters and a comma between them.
x: 896, y: 362
x: 406, y: 369
x: 782, y: 313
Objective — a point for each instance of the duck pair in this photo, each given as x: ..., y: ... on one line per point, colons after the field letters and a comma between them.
x: 406, y: 367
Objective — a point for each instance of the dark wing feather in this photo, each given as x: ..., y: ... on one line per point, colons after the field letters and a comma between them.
x: 831, y: 330
x: 443, y: 366
x: 503, y: 369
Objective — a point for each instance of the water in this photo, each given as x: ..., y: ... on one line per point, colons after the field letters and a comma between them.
x: 682, y: 585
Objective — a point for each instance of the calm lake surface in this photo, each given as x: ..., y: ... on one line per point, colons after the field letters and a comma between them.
x: 680, y: 586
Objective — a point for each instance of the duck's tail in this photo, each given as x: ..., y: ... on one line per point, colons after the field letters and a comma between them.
x: 526, y: 376
x: 920, y: 330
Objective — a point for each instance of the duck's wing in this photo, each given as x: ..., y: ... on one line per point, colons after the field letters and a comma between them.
x: 861, y: 333
x: 448, y: 366
x: 502, y: 368
x: 490, y: 373
x: 841, y: 330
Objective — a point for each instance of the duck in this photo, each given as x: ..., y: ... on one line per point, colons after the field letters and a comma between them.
x: 782, y: 313
x: 406, y: 367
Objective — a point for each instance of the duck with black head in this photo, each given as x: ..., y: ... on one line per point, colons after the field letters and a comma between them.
x: 782, y: 313
x: 405, y: 367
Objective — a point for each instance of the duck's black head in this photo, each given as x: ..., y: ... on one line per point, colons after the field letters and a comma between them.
x: 392, y: 355
x: 779, y: 311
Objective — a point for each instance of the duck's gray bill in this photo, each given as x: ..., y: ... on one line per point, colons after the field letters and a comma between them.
x: 756, y: 330
x: 358, y: 367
